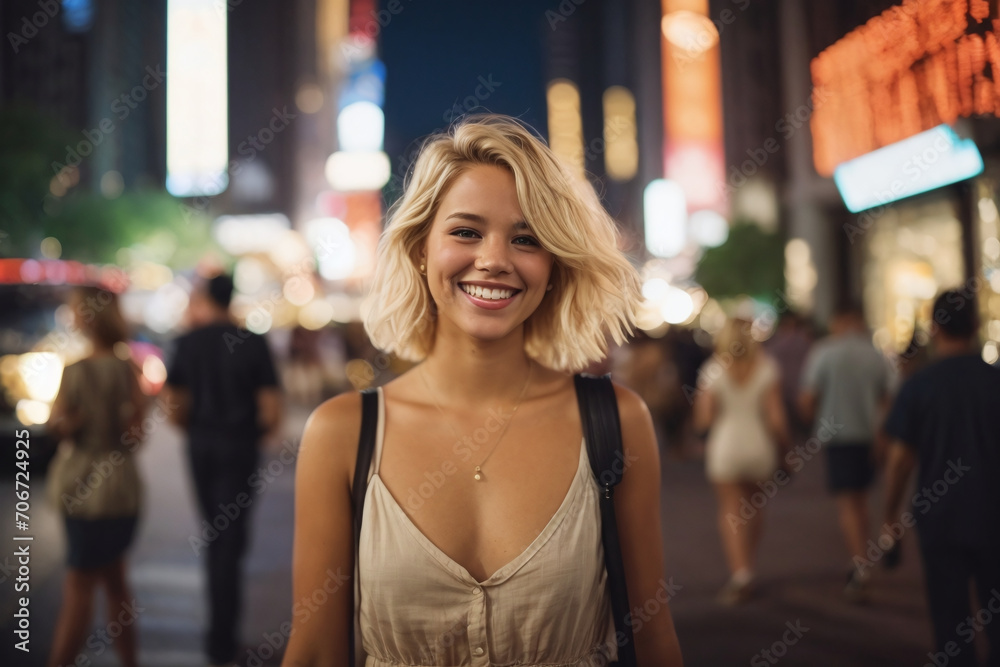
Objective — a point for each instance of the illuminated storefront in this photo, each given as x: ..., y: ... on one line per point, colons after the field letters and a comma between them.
x: 904, y: 93
x: 909, y: 254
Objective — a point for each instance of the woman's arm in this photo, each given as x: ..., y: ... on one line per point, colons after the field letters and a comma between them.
x: 138, y: 401
x: 704, y: 411
x: 65, y: 418
x: 323, y: 554
x: 269, y: 409
x: 179, y: 401
x: 807, y: 404
x: 899, y: 467
x: 637, y: 511
x: 774, y: 416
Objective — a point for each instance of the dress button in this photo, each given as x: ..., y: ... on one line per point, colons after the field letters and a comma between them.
x: 477, y: 591
x: 478, y: 651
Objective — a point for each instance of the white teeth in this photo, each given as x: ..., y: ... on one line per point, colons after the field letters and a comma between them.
x: 487, y: 293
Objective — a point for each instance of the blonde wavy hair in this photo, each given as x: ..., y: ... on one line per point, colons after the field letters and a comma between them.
x: 595, y: 288
x: 735, y: 340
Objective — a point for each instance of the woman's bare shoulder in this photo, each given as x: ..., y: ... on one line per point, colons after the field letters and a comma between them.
x: 631, y: 406
x: 636, y: 421
x: 330, y: 437
x: 338, y: 412
x: 642, y: 455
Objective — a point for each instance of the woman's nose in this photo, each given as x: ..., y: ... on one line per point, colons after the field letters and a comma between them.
x: 494, y: 255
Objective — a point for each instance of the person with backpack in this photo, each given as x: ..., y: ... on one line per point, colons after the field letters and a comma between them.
x: 484, y: 536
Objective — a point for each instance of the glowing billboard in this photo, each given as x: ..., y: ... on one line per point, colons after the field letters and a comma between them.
x: 197, y: 98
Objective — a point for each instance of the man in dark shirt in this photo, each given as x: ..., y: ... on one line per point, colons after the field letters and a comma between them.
x: 224, y: 382
x: 945, y: 420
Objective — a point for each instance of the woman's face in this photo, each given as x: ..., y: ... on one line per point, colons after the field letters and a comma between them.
x: 486, y: 270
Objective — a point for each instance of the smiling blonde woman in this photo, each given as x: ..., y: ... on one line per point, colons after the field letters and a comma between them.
x: 481, y: 535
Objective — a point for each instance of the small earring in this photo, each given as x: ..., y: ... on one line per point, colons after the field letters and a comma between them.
x: 423, y: 269
x: 549, y: 288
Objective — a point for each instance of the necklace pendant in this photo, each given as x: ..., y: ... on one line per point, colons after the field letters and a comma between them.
x: 478, y: 476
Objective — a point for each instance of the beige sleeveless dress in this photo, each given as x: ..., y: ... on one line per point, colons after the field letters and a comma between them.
x: 549, y: 606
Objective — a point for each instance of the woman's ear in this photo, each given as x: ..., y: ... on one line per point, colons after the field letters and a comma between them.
x: 555, y: 276
x: 422, y: 257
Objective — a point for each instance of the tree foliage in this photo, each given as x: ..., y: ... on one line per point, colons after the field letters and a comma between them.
x: 90, y: 227
x: 751, y: 262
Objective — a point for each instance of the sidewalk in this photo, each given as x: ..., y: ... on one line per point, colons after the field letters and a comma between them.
x: 802, y: 569
x: 166, y: 574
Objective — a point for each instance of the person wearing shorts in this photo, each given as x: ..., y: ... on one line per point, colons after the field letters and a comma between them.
x: 850, y: 466
x: 845, y: 386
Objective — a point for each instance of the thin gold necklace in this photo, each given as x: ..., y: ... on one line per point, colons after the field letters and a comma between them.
x: 479, y: 468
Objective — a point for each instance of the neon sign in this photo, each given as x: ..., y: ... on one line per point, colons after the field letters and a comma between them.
x: 910, y: 69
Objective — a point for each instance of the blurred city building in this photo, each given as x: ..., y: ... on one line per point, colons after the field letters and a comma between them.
x: 727, y: 137
x: 907, y: 129
x: 100, y: 73
x: 811, y: 86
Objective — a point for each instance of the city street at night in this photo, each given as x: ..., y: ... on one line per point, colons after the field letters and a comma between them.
x: 246, y: 244
x: 801, y: 577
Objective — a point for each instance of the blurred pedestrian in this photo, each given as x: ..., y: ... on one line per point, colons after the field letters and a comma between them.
x: 915, y: 357
x: 789, y: 346
x: 93, y: 479
x: 223, y: 382
x: 643, y: 367
x: 685, y: 358
x: 902, y: 367
x: 944, y: 420
x: 739, y: 404
x: 303, y: 376
x: 846, y: 385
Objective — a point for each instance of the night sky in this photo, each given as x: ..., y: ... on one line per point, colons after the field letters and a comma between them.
x: 440, y: 54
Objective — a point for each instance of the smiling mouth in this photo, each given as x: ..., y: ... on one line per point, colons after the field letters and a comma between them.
x: 488, y: 293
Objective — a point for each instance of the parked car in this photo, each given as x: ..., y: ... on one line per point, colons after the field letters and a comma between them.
x: 30, y: 369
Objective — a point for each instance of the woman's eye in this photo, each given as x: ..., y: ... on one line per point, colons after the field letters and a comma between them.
x: 526, y: 240
x: 465, y: 233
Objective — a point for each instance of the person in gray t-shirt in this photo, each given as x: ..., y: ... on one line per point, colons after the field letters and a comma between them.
x: 846, y: 384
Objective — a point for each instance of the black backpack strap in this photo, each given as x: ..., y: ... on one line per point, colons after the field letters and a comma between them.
x: 366, y: 447
x: 603, y: 435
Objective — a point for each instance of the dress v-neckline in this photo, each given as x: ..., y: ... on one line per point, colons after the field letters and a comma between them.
x: 449, y: 563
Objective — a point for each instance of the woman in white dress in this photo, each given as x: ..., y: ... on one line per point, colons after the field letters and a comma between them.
x: 739, y: 403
